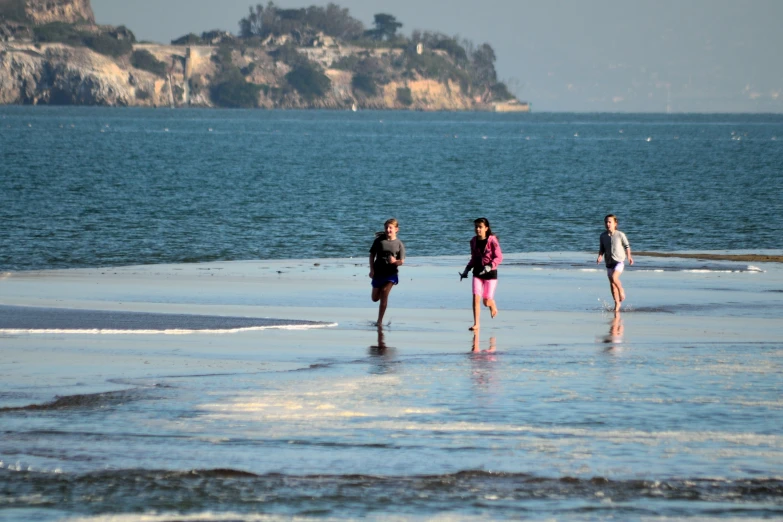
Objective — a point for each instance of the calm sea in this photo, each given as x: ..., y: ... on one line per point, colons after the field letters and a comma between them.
x: 82, y: 187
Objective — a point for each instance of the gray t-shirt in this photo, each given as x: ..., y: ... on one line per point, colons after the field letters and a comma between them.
x: 383, y: 248
x: 613, y: 247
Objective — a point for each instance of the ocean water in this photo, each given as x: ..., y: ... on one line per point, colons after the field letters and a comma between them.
x: 557, y: 410
x: 83, y: 187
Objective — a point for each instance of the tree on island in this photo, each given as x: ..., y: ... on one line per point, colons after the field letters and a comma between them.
x: 386, y: 26
x: 331, y: 20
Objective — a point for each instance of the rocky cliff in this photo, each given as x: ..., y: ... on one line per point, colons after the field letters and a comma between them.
x: 57, y: 74
x: 38, y: 12
x: 85, y: 64
x: 68, y: 11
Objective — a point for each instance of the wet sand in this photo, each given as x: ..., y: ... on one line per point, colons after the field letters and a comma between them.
x: 429, y: 312
x: 750, y: 258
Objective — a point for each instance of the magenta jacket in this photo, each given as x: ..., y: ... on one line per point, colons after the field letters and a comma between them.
x: 490, y: 256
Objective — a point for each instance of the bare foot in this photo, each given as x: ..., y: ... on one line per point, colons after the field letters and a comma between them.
x: 622, y: 296
x: 474, y: 328
x: 493, y: 311
x: 617, y: 306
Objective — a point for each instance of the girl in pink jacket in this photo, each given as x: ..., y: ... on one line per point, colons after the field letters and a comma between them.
x: 485, y: 256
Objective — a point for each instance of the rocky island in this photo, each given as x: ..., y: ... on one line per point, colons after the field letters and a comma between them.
x: 53, y: 52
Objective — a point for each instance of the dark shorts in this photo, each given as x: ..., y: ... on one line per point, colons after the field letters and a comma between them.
x: 380, y: 282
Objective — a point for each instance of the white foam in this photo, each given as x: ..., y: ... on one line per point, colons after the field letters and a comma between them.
x: 707, y: 271
x: 252, y: 517
x: 96, y: 331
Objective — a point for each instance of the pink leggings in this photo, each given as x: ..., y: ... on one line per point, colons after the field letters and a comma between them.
x: 484, y: 287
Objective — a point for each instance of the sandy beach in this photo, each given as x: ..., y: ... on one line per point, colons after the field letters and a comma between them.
x: 545, y: 300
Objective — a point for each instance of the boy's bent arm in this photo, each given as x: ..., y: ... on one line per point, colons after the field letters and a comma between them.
x: 627, y: 246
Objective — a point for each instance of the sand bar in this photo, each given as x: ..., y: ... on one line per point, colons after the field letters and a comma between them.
x: 542, y: 307
x: 751, y: 258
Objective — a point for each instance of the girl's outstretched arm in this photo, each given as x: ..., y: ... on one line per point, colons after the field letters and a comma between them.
x: 497, y: 254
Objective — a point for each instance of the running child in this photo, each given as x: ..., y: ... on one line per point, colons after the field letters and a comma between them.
x: 614, y: 245
x: 485, y: 256
x: 386, y: 255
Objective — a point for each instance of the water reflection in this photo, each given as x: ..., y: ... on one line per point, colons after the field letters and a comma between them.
x: 615, y: 336
x: 381, y: 355
x: 483, y: 363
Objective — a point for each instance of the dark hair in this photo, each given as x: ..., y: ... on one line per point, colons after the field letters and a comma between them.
x: 486, y: 222
x: 390, y: 221
x: 610, y: 216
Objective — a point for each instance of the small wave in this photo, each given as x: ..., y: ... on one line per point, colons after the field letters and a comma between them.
x: 498, y: 495
x: 91, y: 400
x: 16, y: 320
x: 671, y: 265
x: 703, y: 307
x: 108, y: 331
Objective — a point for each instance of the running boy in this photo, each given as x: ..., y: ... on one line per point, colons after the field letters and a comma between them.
x: 386, y: 255
x: 615, y: 246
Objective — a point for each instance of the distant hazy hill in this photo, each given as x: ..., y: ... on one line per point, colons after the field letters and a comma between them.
x: 52, y: 52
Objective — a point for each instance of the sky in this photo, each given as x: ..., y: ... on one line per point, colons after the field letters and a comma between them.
x: 560, y: 55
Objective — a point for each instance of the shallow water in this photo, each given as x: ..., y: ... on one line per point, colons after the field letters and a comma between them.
x: 557, y: 409
x: 550, y: 430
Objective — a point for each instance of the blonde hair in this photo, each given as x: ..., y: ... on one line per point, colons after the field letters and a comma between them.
x: 390, y: 221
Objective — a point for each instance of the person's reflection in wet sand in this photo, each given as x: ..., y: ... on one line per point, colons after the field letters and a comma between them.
x: 477, y: 344
x: 483, y: 363
x: 382, y: 355
x: 615, y: 336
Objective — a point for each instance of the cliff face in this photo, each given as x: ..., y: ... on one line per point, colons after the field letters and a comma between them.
x: 68, y: 11
x: 62, y: 75
x: 35, y: 68
x: 59, y: 74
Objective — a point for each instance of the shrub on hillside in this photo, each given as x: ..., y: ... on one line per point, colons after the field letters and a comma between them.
x: 248, y: 69
x: 58, y: 32
x: 105, y: 44
x: 288, y: 54
x: 404, y: 96
x: 146, y: 61
x: 500, y: 92
x: 364, y: 83
x: 346, y: 63
x: 13, y: 10
x: 454, y: 49
x: 188, y: 39
x: 309, y: 81
x: 223, y: 56
x: 233, y: 91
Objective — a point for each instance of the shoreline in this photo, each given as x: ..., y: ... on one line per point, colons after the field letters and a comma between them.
x: 757, y: 258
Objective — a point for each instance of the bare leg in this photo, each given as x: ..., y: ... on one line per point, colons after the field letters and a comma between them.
x: 493, y: 309
x: 382, y: 295
x: 618, y: 294
x: 476, y: 312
